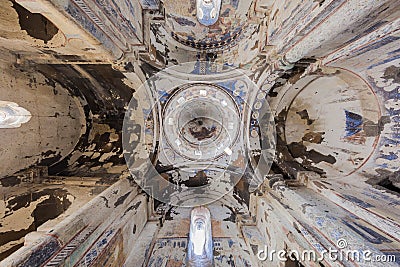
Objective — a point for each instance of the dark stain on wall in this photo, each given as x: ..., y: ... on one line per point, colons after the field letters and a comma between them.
x: 10, y: 181
x: 374, y: 129
x: 288, y: 152
x: 232, y: 215
x: 241, y: 191
x: 121, y: 199
x: 392, y: 72
x: 314, y: 137
x: 304, y: 116
x: 320, y: 2
x: 199, y: 179
x: 36, y: 25
x: 9, y: 236
x: 170, y: 211
x: 386, y: 180
x: 104, y: 96
x: 133, y: 207
x: 50, y: 208
x: 49, y: 158
x: 134, y: 229
x: 299, y: 150
x: 112, y: 82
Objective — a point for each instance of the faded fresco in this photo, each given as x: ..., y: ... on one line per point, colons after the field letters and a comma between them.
x: 199, y: 132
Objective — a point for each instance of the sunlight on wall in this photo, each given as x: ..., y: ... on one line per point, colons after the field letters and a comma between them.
x: 12, y: 115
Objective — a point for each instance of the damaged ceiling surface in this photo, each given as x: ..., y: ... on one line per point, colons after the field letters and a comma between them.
x: 199, y: 133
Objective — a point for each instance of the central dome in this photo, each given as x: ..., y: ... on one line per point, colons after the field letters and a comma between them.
x: 201, y: 122
x: 191, y: 132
